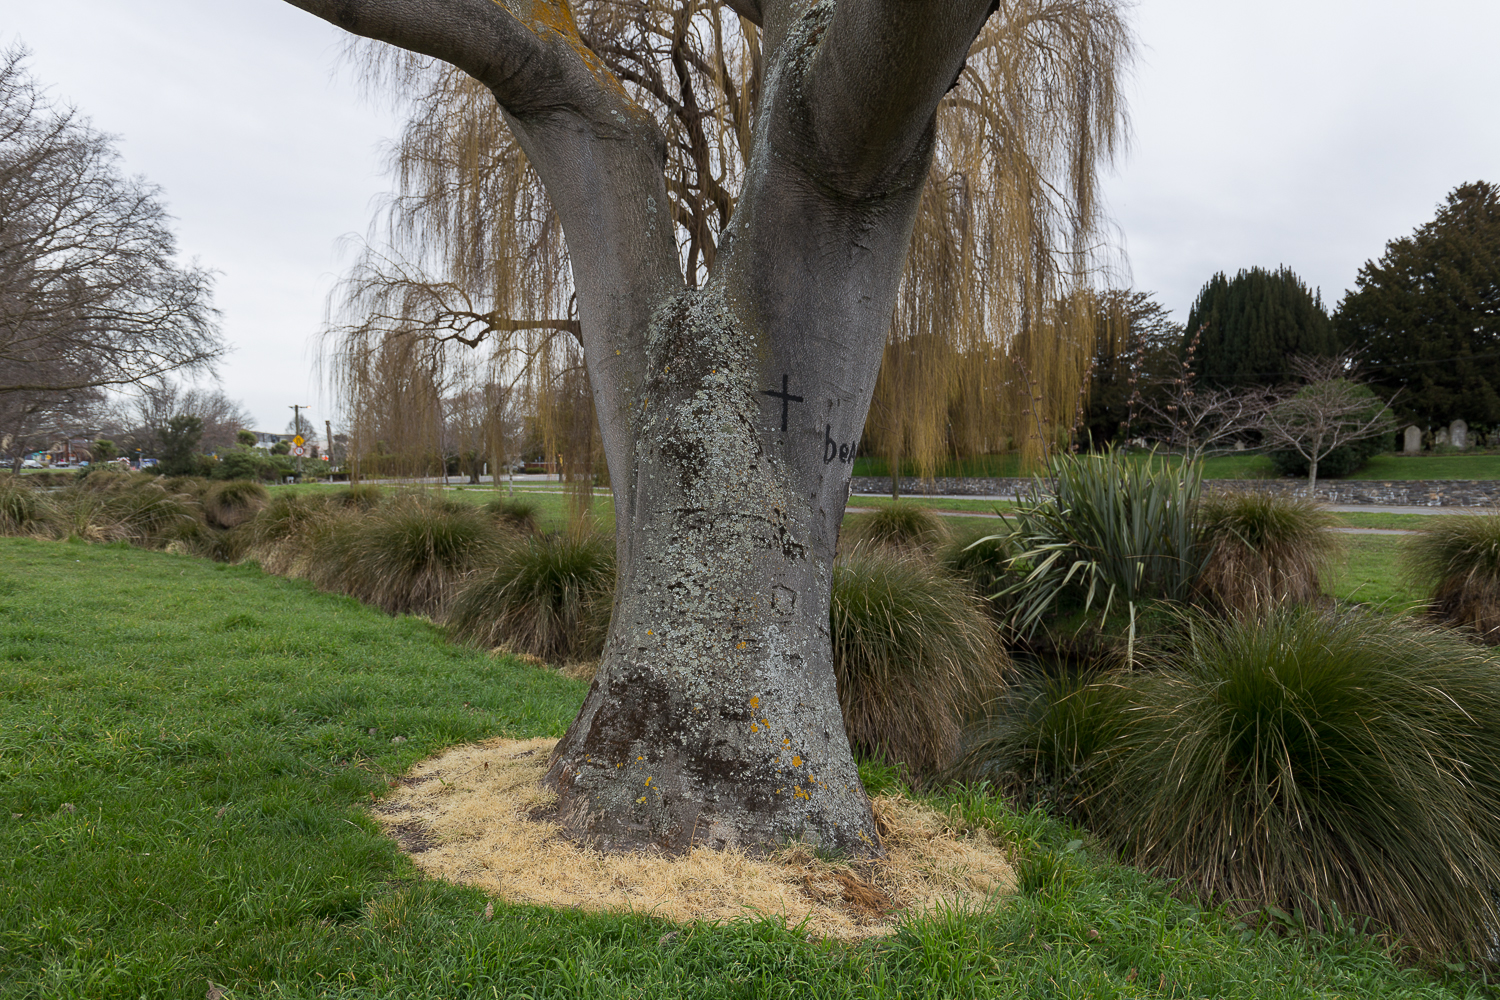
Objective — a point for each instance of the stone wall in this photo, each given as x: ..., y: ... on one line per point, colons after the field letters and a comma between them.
x: 1403, y: 493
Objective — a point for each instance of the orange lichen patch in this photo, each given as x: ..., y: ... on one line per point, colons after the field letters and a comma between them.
x: 557, y: 16
x: 464, y: 817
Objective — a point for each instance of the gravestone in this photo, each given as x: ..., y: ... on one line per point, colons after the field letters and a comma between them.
x: 1458, y: 434
x: 1412, y: 440
x: 1440, y: 438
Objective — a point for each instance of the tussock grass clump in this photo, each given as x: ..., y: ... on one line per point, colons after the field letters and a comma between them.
x: 234, y: 502
x: 285, y: 532
x: 1047, y: 726
x: 363, y: 496
x: 1313, y: 761
x: 1459, y: 559
x: 406, y: 556
x: 915, y: 656
x: 517, y: 514
x: 982, y: 559
x: 24, y: 510
x: 548, y: 596
x: 899, y: 525
x: 192, y: 486
x: 112, y: 508
x: 1262, y: 550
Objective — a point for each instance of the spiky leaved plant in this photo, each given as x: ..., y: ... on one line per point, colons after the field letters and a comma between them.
x: 915, y: 656
x: 1110, y: 533
x: 1458, y: 558
x: 1261, y: 550
x: 547, y: 596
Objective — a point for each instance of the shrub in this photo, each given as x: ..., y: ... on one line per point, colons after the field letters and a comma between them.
x: 548, y: 596
x: 1114, y: 533
x: 1261, y: 550
x: 915, y: 656
x: 1459, y: 559
x: 233, y: 503
x: 1308, y: 760
x: 24, y: 510
x: 900, y: 525
x: 246, y: 463
x: 406, y: 556
x: 520, y: 515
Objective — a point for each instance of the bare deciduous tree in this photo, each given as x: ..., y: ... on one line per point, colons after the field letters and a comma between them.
x: 1198, y: 419
x: 731, y: 382
x: 1331, y: 410
x: 90, y: 295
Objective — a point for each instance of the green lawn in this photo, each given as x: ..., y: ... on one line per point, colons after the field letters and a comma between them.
x: 187, y: 750
x: 1392, y: 466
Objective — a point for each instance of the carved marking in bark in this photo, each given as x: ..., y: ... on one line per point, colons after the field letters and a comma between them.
x: 785, y: 397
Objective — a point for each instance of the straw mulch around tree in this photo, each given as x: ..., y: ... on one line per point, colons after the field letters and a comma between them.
x: 465, y: 816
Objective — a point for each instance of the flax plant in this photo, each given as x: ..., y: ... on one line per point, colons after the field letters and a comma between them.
x: 1110, y: 534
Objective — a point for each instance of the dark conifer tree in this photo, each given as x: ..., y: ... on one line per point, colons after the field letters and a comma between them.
x: 1253, y: 323
x: 1427, y: 315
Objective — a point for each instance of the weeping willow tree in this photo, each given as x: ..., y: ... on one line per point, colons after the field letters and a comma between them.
x: 994, y: 329
x: 992, y: 336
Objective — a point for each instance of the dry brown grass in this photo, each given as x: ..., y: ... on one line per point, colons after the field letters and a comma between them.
x: 463, y: 817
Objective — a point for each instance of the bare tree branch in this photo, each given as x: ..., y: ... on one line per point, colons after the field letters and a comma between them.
x: 90, y: 294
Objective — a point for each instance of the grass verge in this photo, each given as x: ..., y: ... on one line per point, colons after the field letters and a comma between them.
x: 186, y: 748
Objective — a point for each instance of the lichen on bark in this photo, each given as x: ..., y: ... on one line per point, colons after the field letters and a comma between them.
x: 715, y: 704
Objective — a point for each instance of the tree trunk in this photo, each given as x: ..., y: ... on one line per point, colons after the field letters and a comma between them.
x: 730, y: 415
x: 714, y: 717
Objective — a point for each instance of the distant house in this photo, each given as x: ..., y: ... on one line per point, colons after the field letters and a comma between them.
x: 264, y: 439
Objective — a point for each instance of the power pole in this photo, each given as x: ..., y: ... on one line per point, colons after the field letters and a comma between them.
x: 328, y: 446
x: 297, y: 409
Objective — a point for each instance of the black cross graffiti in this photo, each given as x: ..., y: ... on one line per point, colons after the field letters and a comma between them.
x: 785, y: 397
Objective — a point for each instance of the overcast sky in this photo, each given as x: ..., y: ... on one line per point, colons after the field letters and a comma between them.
x: 1277, y: 132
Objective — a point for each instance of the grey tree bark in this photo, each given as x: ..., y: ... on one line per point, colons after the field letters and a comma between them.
x: 729, y: 413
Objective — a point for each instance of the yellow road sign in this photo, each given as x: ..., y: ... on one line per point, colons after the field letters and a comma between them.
x: 298, y: 441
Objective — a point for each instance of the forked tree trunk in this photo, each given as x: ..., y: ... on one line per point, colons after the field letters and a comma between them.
x: 730, y: 414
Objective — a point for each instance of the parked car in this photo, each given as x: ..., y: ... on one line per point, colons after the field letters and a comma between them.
x: 31, y: 463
